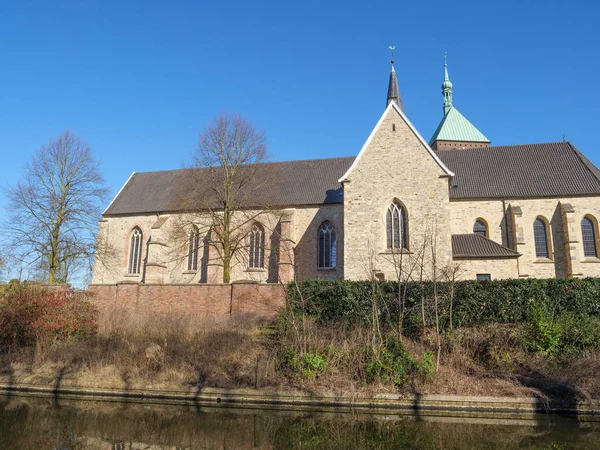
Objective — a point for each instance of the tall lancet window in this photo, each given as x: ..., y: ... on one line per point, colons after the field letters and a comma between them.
x: 540, y: 238
x: 256, y: 258
x: 588, y: 236
x: 397, y: 236
x: 135, y: 252
x: 193, y: 249
x: 327, y: 250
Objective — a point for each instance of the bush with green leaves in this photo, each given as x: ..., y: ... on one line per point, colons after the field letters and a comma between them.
x: 393, y: 362
x: 474, y: 303
x: 563, y: 333
x: 304, y: 366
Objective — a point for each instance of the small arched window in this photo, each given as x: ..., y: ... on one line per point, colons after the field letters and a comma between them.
x: 540, y: 238
x: 257, y: 247
x: 588, y: 236
x: 327, y: 250
x: 480, y: 228
x: 193, y: 249
x: 397, y: 236
x: 135, y: 252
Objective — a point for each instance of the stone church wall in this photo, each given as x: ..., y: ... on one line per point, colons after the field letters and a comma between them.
x: 395, y: 165
x: 517, y: 232
x: 164, y: 254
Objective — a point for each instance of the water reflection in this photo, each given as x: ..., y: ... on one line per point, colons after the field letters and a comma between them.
x: 33, y: 423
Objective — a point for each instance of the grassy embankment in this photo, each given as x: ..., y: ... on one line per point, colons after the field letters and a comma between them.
x: 551, y: 355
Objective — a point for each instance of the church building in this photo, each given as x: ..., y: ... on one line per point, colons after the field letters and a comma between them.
x: 403, y: 204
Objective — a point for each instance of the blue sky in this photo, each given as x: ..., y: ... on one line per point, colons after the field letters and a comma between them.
x: 140, y: 80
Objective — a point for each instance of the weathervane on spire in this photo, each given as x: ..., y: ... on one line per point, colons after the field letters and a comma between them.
x: 392, y: 48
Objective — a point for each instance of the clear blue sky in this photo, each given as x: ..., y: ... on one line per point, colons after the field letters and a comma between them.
x: 139, y: 80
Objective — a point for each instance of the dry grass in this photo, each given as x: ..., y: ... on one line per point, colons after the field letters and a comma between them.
x: 138, y: 350
x: 187, y: 353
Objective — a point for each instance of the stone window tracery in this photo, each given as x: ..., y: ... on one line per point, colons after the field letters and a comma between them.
x: 256, y: 258
x: 193, y: 249
x: 396, y: 227
x: 327, y: 249
x: 135, y: 252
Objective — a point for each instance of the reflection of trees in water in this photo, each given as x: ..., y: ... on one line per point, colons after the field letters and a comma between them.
x: 34, y: 423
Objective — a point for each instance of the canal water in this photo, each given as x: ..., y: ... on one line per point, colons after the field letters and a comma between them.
x: 42, y: 423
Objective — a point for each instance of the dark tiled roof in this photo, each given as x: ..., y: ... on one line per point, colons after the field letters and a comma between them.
x: 471, y: 246
x: 308, y: 182
x: 533, y: 170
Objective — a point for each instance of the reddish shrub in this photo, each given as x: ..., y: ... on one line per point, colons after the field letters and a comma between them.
x: 29, y: 315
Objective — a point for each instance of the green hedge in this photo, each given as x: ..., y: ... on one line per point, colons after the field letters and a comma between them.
x: 475, y: 302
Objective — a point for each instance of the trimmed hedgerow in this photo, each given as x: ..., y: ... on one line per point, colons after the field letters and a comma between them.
x: 475, y: 302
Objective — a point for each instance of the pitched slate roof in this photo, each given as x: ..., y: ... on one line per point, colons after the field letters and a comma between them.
x: 532, y: 170
x: 289, y: 183
x: 473, y: 246
x: 455, y: 127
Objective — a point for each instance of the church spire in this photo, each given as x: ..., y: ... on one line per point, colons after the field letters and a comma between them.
x: 393, y: 94
x: 446, y: 88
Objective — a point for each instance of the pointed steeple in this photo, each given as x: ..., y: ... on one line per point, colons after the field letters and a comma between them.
x: 393, y: 94
x: 446, y: 88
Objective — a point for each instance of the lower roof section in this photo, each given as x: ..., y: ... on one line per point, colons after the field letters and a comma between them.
x: 475, y: 246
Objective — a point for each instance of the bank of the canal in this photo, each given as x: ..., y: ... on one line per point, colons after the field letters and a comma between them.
x: 42, y: 419
x: 383, y: 403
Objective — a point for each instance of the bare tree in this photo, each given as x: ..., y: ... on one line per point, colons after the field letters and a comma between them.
x: 434, y: 279
x: 54, y: 209
x: 2, y: 266
x: 404, y: 268
x: 451, y: 274
x: 227, y: 194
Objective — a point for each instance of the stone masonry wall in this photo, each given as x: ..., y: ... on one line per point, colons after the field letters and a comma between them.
x: 465, y: 212
x: 394, y: 165
x: 220, y: 301
x: 496, y: 268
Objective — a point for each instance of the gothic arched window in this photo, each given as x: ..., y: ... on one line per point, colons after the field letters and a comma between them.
x: 397, y: 236
x: 588, y: 236
x: 135, y: 252
x: 327, y: 249
x: 540, y: 238
x: 193, y: 249
x: 257, y: 247
x: 480, y: 227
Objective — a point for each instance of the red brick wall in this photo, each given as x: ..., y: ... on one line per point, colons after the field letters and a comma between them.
x: 217, y: 301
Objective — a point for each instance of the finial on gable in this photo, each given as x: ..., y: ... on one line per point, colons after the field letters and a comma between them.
x: 393, y: 94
